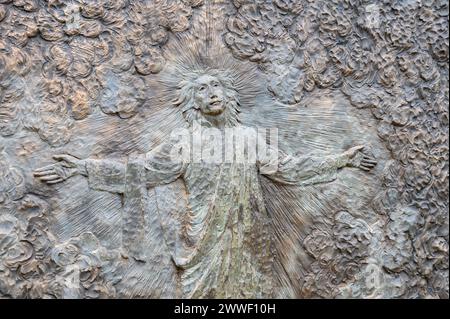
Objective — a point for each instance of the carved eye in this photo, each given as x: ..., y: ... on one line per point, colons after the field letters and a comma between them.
x: 216, y: 84
x: 202, y: 88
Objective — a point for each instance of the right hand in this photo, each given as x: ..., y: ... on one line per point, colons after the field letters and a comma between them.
x: 65, y: 167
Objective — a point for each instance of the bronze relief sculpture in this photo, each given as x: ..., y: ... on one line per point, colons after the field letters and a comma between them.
x: 135, y: 159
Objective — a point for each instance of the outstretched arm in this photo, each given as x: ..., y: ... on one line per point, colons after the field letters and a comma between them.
x: 160, y: 166
x: 106, y: 175
x: 308, y: 170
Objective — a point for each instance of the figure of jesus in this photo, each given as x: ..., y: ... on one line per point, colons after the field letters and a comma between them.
x: 225, y: 245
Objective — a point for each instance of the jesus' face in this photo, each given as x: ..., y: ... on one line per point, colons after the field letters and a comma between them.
x: 209, y: 95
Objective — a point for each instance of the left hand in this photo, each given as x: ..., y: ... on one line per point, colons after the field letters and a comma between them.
x: 65, y: 167
x: 357, y: 157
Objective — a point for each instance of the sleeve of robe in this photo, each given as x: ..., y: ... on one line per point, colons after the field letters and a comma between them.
x: 106, y: 175
x: 162, y: 165
x: 299, y: 170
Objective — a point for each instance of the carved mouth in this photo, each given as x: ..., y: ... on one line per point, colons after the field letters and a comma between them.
x: 215, y: 103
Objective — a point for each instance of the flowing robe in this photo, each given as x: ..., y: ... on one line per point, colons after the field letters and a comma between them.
x: 224, y: 247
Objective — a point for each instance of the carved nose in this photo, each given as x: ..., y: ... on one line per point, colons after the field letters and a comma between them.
x: 213, y: 96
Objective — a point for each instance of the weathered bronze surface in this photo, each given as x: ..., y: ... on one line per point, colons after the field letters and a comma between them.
x: 118, y: 179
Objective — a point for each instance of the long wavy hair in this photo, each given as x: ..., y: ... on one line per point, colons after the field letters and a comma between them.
x: 191, y: 111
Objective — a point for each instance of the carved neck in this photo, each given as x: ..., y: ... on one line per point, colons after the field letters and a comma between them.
x: 219, y: 121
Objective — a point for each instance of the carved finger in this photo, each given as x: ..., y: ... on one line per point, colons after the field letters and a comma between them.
x: 369, y: 158
x: 59, y: 180
x: 49, y: 181
x: 49, y: 177
x: 366, y: 168
x: 44, y: 173
x: 45, y: 168
x: 368, y: 161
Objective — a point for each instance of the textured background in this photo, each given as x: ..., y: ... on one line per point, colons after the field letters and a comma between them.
x: 96, y: 78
